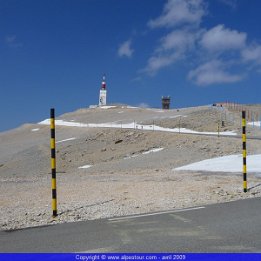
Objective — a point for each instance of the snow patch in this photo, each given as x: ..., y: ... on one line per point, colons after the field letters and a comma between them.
x: 85, y: 167
x: 132, y: 125
x: 133, y: 156
x: 232, y: 163
x: 35, y: 129
x: 153, y: 150
x: 65, y: 140
x: 255, y: 123
x: 64, y: 123
x: 131, y: 107
x: 144, y: 153
x: 107, y: 107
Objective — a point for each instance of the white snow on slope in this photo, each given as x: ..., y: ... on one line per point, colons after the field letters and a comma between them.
x: 132, y: 125
x: 107, y: 107
x: 33, y: 130
x: 255, y: 123
x: 144, y: 153
x: 132, y: 156
x: 65, y: 140
x: 64, y: 123
x: 153, y: 150
x: 132, y: 107
x: 232, y: 163
x: 85, y: 167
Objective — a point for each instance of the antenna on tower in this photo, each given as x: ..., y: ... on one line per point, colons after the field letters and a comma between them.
x: 103, y: 87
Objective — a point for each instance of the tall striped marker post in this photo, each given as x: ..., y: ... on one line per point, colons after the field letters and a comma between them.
x: 53, y: 163
x: 244, y: 151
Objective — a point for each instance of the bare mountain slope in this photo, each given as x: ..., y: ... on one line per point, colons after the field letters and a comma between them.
x: 126, y: 171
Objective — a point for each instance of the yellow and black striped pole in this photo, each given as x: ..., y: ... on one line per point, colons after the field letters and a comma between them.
x: 53, y: 163
x: 244, y: 151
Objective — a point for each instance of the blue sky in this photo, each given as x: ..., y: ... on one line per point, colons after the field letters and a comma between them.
x: 53, y: 53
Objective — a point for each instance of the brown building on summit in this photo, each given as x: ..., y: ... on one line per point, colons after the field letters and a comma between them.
x: 165, y: 102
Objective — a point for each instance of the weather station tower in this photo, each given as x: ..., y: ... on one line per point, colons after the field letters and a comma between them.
x: 103, y: 92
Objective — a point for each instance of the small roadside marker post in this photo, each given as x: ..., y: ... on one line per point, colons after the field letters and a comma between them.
x: 53, y: 162
x: 244, y: 151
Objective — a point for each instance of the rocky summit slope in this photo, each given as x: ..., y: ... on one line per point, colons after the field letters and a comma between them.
x: 114, y: 161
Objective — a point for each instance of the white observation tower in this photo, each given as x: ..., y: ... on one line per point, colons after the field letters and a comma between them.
x: 103, y: 92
